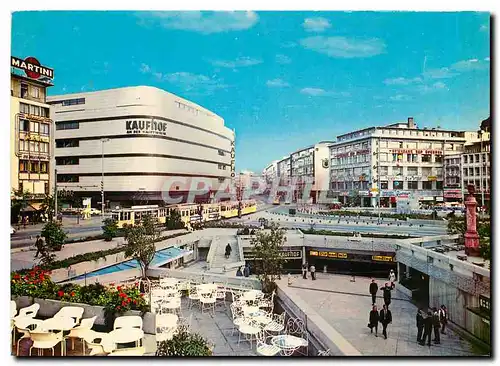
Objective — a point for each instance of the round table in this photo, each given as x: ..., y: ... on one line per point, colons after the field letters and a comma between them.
x: 168, y: 321
x: 288, y: 343
x: 248, y: 310
x: 260, y: 316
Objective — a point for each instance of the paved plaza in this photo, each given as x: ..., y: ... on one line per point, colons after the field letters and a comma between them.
x: 345, y: 305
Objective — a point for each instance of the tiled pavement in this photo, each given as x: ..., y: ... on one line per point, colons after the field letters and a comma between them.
x: 346, y: 305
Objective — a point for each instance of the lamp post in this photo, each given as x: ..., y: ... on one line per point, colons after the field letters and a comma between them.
x: 102, y: 177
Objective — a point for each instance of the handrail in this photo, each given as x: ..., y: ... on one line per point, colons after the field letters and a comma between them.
x: 211, y: 252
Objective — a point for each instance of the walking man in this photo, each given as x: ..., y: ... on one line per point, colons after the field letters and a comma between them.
x: 373, y: 291
x: 387, y: 294
x: 443, y: 317
x: 385, y: 318
x: 228, y: 250
x: 420, y: 325
x: 38, y: 245
x: 304, y: 271
x: 373, y: 320
x: 436, y: 324
x: 427, y: 329
x: 313, y: 272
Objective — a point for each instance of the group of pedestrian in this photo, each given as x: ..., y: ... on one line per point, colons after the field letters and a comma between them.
x: 245, y: 272
x: 434, y: 319
x: 312, y: 270
x: 384, y: 316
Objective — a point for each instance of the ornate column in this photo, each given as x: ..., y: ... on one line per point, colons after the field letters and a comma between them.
x: 471, y: 236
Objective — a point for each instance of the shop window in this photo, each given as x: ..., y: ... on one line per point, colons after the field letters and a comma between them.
x: 413, y: 185
x: 426, y: 185
x: 426, y: 158
x: 397, y: 184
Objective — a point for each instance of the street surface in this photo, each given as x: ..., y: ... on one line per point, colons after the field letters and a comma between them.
x: 345, y: 305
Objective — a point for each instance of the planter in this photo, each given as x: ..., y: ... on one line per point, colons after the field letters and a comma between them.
x: 48, y: 308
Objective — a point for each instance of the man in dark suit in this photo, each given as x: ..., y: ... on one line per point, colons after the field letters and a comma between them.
x: 373, y: 320
x: 387, y: 294
x: 420, y: 325
x: 385, y: 318
x: 373, y: 291
x: 427, y: 329
x: 437, y: 325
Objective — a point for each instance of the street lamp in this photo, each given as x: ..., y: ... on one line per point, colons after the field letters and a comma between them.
x: 102, y: 177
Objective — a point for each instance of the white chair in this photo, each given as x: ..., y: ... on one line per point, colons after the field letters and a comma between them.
x: 184, y: 322
x: 98, y: 343
x: 24, y: 325
x: 221, y: 296
x: 237, y: 315
x: 194, y: 296
x: 29, y: 311
x: 166, y: 325
x: 136, y: 351
x: 277, y: 325
x: 296, y: 327
x: 173, y: 305
x: 248, y: 328
x: 264, y: 348
x: 13, y: 309
x: 129, y: 321
x: 208, y: 300
x: 46, y: 340
x: 74, y: 312
x: 80, y: 331
x: 267, y: 302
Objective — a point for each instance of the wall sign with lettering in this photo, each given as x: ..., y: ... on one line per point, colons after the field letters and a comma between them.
x: 142, y: 126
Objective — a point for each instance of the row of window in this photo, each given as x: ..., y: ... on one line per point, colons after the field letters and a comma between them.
x: 27, y: 90
x: 33, y: 146
x: 475, y: 171
x: 75, y: 101
x: 30, y: 166
x: 61, y: 143
x: 33, y: 110
x: 476, y: 158
x: 34, y: 127
x: 67, y: 161
x: 362, y: 158
x: 67, y: 126
x: 68, y: 178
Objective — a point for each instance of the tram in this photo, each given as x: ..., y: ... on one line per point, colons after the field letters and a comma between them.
x: 190, y: 212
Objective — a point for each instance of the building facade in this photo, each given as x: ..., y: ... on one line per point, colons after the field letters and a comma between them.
x: 140, y: 145
x: 398, y: 160
x: 476, y: 167
x: 31, y: 131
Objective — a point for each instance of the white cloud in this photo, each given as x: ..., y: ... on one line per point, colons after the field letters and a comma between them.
x: 316, y: 24
x: 277, y: 83
x: 289, y: 45
x: 283, y: 59
x: 487, y: 59
x: 318, y: 92
x: 402, y: 81
x: 203, y: 22
x: 145, y: 69
x: 344, y: 47
x: 439, y: 85
x: 194, y: 82
x: 239, y: 62
x: 442, y: 73
x: 400, y: 98
x: 467, y: 65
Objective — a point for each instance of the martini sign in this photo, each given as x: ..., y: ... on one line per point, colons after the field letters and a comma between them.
x: 32, y: 67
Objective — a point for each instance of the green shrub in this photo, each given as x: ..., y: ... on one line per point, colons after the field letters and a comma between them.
x: 110, y: 229
x: 184, y: 343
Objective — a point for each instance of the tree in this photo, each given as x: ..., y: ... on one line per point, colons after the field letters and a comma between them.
x: 54, y: 235
x: 20, y: 200
x: 110, y: 229
x: 484, y: 232
x: 267, y: 249
x: 174, y: 221
x: 141, y: 242
x: 48, y: 206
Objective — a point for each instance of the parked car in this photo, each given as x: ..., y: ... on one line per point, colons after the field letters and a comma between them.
x: 95, y: 211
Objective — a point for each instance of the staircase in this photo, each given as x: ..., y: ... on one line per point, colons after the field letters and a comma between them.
x: 218, y: 262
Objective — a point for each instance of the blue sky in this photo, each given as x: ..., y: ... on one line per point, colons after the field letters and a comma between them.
x: 283, y: 80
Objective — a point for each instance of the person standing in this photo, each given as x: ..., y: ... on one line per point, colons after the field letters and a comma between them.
x: 373, y: 320
x: 436, y: 324
x: 392, y: 277
x: 387, y: 294
x: 443, y: 317
x: 304, y: 271
x: 239, y: 273
x: 246, y: 270
x: 38, y: 245
x: 420, y: 325
x: 385, y: 318
x: 427, y: 329
x: 228, y: 250
x: 373, y: 290
x: 313, y: 272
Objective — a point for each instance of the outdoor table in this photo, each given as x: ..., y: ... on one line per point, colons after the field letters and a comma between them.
x: 251, y: 295
x: 247, y: 310
x: 288, y: 343
x: 57, y: 324
x: 126, y: 335
x: 259, y: 316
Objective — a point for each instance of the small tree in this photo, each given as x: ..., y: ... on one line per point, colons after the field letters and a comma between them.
x: 267, y: 249
x: 141, y: 242
x: 110, y: 229
x: 174, y: 221
x: 54, y: 235
x: 48, y: 205
x: 20, y: 200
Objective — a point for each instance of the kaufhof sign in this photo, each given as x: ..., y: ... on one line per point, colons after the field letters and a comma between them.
x: 232, y: 160
x: 32, y: 67
x: 146, y: 126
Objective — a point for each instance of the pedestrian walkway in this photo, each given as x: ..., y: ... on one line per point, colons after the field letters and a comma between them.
x: 346, y: 306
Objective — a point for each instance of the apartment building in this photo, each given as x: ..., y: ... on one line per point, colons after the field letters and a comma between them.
x: 476, y: 167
